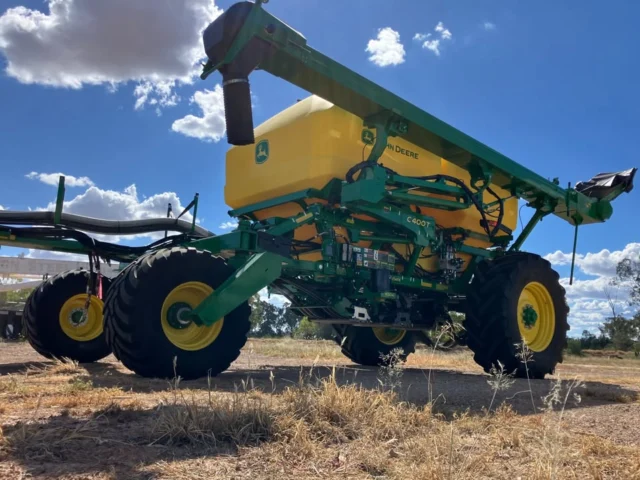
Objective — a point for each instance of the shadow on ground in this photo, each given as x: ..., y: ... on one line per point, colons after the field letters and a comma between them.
x: 449, y: 391
x: 21, y: 367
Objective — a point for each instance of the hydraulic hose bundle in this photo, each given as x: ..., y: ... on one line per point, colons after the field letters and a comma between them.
x: 72, y: 227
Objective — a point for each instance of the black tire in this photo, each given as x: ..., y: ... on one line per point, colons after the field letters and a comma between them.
x: 491, y: 323
x: 133, y: 312
x: 361, y: 345
x: 42, y: 319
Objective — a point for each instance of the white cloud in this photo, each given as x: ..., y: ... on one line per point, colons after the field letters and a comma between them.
x: 589, y: 313
x: 228, y: 225
x: 386, y: 48
x: 158, y: 93
x: 559, y: 258
x: 602, y: 263
x: 428, y: 42
x: 489, y: 26
x: 122, y: 205
x: 211, y: 125
x: 89, y: 42
x: 53, y: 179
x: 589, y: 298
x: 277, y: 300
x: 445, y: 34
x: 434, y: 44
x: 594, y: 288
x: 2, y: 208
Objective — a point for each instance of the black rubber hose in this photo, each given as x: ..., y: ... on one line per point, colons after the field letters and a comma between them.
x: 472, y: 198
x: 105, y: 250
x: 500, y: 214
x: 237, y: 111
x: 355, y: 169
x: 98, y: 225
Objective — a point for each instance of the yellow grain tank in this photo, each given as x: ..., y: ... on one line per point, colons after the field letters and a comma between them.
x: 314, y: 141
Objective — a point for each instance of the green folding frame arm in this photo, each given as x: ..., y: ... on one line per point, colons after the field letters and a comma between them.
x: 246, y: 38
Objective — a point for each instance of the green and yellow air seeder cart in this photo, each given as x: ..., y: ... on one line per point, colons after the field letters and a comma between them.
x: 364, y: 211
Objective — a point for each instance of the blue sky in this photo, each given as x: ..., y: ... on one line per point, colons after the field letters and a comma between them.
x: 553, y: 85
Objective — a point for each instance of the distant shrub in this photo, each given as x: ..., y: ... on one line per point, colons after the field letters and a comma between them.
x: 574, y: 346
x: 622, y: 341
x: 309, y: 330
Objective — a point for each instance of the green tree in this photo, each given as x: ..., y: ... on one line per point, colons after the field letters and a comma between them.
x: 310, y: 330
x: 628, y: 273
x: 256, y: 311
x: 587, y: 339
x: 269, y: 320
x: 574, y: 345
x: 623, y: 332
x: 593, y: 342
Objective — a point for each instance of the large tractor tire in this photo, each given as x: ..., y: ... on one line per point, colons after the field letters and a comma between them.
x: 369, y: 346
x: 54, y: 322
x: 146, y: 323
x: 513, y: 300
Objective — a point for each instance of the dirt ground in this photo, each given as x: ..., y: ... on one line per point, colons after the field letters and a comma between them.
x: 102, y: 421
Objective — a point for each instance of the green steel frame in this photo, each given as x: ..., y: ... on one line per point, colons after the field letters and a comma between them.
x: 383, y: 195
x: 265, y: 253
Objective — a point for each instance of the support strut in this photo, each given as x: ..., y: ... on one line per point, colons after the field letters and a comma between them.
x: 259, y: 271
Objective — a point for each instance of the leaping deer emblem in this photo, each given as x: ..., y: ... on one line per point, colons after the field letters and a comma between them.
x: 262, y: 151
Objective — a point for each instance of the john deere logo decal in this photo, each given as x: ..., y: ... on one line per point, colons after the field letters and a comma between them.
x: 262, y: 151
x: 367, y: 137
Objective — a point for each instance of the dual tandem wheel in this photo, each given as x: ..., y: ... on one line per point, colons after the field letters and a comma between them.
x: 143, y: 318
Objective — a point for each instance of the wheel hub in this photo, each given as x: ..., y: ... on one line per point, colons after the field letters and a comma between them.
x: 77, y: 317
x: 174, y: 317
x: 389, y: 336
x: 178, y: 315
x: 529, y: 316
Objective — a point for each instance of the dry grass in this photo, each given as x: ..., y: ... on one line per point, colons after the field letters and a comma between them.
x: 319, y: 428
x: 602, y: 369
x: 602, y: 359
x: 326, y: 351
x: 458, y: 359
x: 12, y: 385
x: 322, y: 350
x: 238, y: 419
x: 60, y: 422
x: 619, y: 354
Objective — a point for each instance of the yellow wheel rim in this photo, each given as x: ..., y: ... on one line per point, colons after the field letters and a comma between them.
x: 75, y: 324
x: 389, y: 336
x: 536, y: 316
x: 178, y: 329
